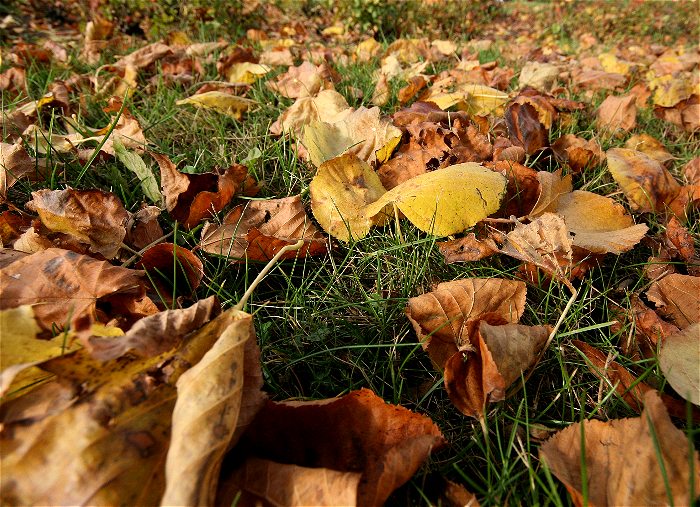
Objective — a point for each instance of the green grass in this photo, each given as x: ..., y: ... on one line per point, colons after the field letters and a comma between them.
x: 330, y: 324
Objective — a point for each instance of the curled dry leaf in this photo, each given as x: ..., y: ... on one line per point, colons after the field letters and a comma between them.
x: 191, y: 198
x: 216, y: 400
x: 221, y: 102
x: 679, y: 358
x: 357, y: 433
x: 447, y: 201
x: 280, y: 484
x: 467, y: 249
x: 679, y: 241
x: 617, y: 114
x: 647, y: 185
x: 69, y: 286
x: 577, y: 152
x: 172, y: 270
x: 258, y: 230
x: 155, y: 334
x: 441, y: 318
x: 523, y: 189
x: 94, y: 217
x: 362, y: 132
x: 677, y: 297
x: 621, y: 459
x: 340, y: 191
x: 143, y: 228
x: 525, y: 128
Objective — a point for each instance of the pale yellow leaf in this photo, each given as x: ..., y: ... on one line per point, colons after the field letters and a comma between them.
x: 221, y: 102
x: 679, y: 359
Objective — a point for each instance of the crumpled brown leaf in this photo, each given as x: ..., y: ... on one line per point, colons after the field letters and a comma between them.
x: 69, y: 287
x: 94, y: 217
x: 257, y: 230
x: 525, y: 128
x: 358, y: 432
x: 622, y: 459
x: 191, y: 198
x: 577, y: 152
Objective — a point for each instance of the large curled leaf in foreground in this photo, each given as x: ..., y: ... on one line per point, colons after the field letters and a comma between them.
x: 340, y: 191
x: 446, y: 201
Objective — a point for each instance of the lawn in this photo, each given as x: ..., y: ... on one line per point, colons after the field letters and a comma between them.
x: 159, y: 199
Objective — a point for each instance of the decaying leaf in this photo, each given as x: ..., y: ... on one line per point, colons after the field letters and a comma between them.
x: 525, y: 128
x: 257, y: 230
x: 306, y: 80
x: 224, y: 103
x: 94, y: 217
x: 679, y: 358
x: 622, y: 460
x: 357, y: 433
x: 541, y: 76
x: 677, y: 297
x: 468, y: 248
x: 447, y: 201
x: 15, y: 163
x: 69, y: 286
x: 191, y: 198
x: 647, y: 185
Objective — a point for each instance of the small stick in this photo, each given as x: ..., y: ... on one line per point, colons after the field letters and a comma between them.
x: 265, y: 271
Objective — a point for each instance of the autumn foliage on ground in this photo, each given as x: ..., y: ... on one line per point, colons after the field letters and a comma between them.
x: 296, y: 264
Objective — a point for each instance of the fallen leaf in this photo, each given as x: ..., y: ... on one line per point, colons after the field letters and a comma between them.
x: 224, y: 103
x: 142, y: 57
x: 552, y: 187
x: 621, y: 459
x: 540, y: 76
x: 679, y: 358
x: 133, y: 162
x: 340, y: 191
x: 362, y: 132
x: 69, y: 287
x: 647, y: 185
x: 357, y: 433
x: 649, y: 146
x: 447, y: 201
x: 677, y: 297
x: 94, y: 217
x: 525, y: 128
x: 367, y: 49
x: 441, y: 317
x: 281, y: 484
x: 246, y: 72
x: 306, y: 80
x: 669, y: 90
x: 467, y: 249
x: 617, y: 114
x: 191, y: 198
x: 15, y: 163
x: 173, y: 270
x: 328, y: 106
x: 578, y: 153
x: 142, y: 228
x: 257, y: 230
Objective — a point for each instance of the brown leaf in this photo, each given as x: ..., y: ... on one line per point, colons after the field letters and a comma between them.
x: 525, y: 128
x: 172, y: 270
x: 94, y: 217
x: 415, y: 84
x: 677, y: 297
x: 679, y: 358
x: 191, y: 198
x: 552, y: 187
x: 617, y: 113
x: 142, y: 57
x: 15, y: 163
x: 577, y: 152
x: 649, y: 146
x: 500, y: 354
x: 260, y: 480
x: 143, y: 228
x: 306, y: 80
x: 358, y: 432
x: 441, y: 317
x: 467, y: 249
x: 257, y: 230
x: 621, y: 459
x: 155, y: 334
x: 691, y: 171
x: 523, y: 190
x: 647, y: 185
x: 679, y: 241
x: 70, y: 286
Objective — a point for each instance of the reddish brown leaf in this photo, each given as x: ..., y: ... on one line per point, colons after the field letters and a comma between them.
x: 74, y: 290
x: 577, y: 152
x: 617, y: 114
x: 94, y: 217
x: 143, y: 228
x: 258, y: 230
x: 12, y: 225
x: 467, y: 249
x: 523, y: 190
x: 358, y: 432
x: 621, y: 459
x: 415, y: 84
x: 191, y: 198
x: 679, y: 240
x: 525, y: 128
x: 173, y: 270
x: 678, y: 298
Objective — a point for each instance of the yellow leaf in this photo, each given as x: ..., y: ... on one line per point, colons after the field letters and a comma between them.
x: 224, y: 103
x: 446, y: 201
x: 481, y: 100
x: 341, y: 189
x: 670, y: 90
x: 610, y: 63
x: 246, y: 72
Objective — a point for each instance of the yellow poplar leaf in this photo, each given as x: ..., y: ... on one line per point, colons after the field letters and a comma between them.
x: 246, y: 72
x: 679, y: 358
x: 340, y: 191
x: 362, y: 132
x: 223, y: 103
x: 446, y: 201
